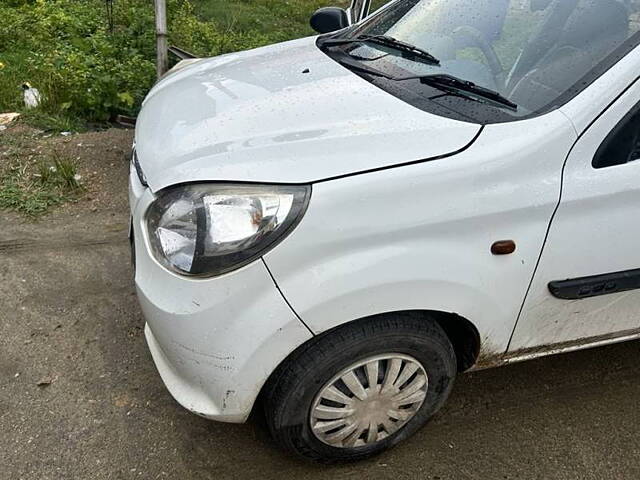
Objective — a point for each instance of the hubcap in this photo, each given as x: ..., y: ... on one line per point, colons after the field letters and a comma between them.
x: 369, y: 400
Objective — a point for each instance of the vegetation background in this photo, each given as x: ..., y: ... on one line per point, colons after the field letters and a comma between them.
x: 90, y: 62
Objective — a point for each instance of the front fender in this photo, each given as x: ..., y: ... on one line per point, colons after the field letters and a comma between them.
x: 381, y: 279
x: 419, y: 237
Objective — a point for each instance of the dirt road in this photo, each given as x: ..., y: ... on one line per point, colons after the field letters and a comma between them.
x: 69, y: 320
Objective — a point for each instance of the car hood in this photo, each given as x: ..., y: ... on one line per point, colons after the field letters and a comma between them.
x: 286, y: 113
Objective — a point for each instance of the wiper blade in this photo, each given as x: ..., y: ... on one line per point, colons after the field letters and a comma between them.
x: 445, y: 82
x: 450, y: 83
x: 410, y: 51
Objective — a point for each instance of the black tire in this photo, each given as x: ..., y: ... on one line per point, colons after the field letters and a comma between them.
x: 291, y: 390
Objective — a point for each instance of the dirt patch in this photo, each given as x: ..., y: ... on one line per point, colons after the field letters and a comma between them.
x: 101, y: 159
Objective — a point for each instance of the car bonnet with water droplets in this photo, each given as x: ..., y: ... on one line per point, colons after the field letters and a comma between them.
x: 286, y: 113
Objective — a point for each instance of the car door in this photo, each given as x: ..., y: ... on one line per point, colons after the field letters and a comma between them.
x: 585, y: 288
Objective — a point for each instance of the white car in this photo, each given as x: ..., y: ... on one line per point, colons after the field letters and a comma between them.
x: 332, y: 228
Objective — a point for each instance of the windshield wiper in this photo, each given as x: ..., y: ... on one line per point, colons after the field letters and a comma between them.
x: 449, y: 83
x: 409, y: 51
x: 441, y: 81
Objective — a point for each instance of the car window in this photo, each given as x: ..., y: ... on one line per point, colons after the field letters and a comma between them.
x: 622, y: 145
x: 521, y: 22
x: 537, y: 54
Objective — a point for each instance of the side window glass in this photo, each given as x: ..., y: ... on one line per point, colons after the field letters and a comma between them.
x: 622, y: 145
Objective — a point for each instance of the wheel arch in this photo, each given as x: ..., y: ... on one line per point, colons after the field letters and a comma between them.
x: 462, y: 333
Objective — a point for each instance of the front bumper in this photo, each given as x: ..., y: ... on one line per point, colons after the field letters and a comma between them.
x: 214, y: 341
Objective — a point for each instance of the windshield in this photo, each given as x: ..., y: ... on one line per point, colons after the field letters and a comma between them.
x: 535, y: 53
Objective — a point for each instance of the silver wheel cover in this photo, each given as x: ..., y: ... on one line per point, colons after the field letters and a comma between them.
x: 369, y: 400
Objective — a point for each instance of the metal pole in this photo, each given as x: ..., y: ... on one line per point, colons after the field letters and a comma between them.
x: 161, y: 37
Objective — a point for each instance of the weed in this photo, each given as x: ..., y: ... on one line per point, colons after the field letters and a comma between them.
x: 52, y: 122
x: 33, y: 190
x: 58, y: 173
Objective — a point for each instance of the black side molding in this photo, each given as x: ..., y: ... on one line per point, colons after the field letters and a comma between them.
x: 584, y: 287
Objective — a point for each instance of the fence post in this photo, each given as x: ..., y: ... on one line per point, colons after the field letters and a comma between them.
x: 162, y: 61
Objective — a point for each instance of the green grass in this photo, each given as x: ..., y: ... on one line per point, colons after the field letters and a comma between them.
x: 32, y: 189
x: 84, y: 71
x: 278, y: 20
x: 88, y: 73
x: 52, y: 122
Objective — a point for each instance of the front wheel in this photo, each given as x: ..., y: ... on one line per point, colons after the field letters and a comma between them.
x: 360, y: 389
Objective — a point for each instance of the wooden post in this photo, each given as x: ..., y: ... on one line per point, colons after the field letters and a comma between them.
x: 162, y: 48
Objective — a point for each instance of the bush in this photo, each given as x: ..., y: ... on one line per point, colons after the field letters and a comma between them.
x: 83, y: 69
x: 208, y: 38
x: 88, y: 72
x: 64, y: 48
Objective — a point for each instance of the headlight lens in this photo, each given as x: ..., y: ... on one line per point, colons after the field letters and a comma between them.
x: 211, y: 229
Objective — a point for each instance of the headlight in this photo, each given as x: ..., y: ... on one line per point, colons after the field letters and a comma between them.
x: 211, y: 229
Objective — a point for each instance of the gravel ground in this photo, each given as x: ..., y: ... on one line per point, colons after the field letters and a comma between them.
x: 80, y: 397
